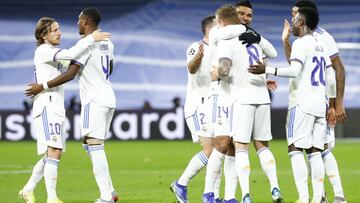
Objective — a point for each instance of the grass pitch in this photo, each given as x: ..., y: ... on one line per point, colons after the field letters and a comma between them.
x: 143, y: 170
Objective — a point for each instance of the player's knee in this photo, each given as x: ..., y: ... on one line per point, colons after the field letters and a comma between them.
x: 94, y: 141
x: 260, y: 144
x: 54, y: 152
x: 292, y: 148
x: 223, y: 146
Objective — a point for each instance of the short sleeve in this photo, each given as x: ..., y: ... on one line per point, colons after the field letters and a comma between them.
x: 298, y: 51
x: 192, y: 51
x: 331, y: 47
x: 81, y: 61
x: 47, y: 53
x: 328, y: 62
x: 111, y: 51
x: 224, y: 49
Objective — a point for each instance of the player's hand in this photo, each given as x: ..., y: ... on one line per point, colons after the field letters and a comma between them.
x: 340, y: 112
x: 286, y: 31
x: 257, y: 69
x: 214, y: 73
x: 271, y: 85
x: 331, y: 117
x: 33, y: 90
x: 100, y: 36
x: 250, y: 37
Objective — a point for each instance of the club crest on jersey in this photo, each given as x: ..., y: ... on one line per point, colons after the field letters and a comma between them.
x: 54, y: 138
x: 191, y: 52
x: 204, y: 129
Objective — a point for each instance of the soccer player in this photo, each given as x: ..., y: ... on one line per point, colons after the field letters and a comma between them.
x: 261, y: 144
x: 306, y: 115
x: 48, y: 108
x: 331, y: 167
x: 197, y: 110
x: 97, y: 99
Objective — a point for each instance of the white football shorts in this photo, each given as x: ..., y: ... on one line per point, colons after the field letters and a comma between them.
x: 95, y: 120
x: 305, y: 130
x: 251, y: 120
x: 222, y: 112
x: 49, y: 128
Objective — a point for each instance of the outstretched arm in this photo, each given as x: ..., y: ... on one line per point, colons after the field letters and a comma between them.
x: 268, y: 49
x: 81, y: 46
x: 289, y: 72
x: 70, y: 73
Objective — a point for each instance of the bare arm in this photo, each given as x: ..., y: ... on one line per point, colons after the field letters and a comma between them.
x: 70, y: 73
x: 224, y: 68
x: 285, y: 39
x: 194, y: 64
x: 81, y: 46
x: 340, y: 88
x: 64, y: 77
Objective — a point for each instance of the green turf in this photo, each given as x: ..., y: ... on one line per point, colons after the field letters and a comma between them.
x: 142, y: 171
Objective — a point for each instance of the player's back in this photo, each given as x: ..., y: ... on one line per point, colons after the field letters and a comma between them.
x: 310, y: 93
x: 94, y: 77
x: 46, y: 69
x: 327, y: 40
x: 246, y: 88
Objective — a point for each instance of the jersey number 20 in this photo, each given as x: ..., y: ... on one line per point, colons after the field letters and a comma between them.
x: 318, y: 74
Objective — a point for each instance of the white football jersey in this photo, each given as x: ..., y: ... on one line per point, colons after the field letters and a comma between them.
x: 94, y: 75
x: 331, y: 50
x: 198, y: 85
x: 245, y: 87
x: 46, y: 69
x: 327, y: 41
x: 49, y: 61
x: 310, y: 89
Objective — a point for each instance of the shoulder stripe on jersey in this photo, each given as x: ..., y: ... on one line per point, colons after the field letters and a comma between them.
x: 76, y: 62
x: 319, y: 30
x: 56, y: 54
x: 295, y: 59
x: 332, y: 56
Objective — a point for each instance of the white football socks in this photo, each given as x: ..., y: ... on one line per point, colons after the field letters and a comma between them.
x: 86, y: 148
x: 332, y: 171
x: 242, y: 165
x: 213, y: 170
x: 36, y: 176
x: 50, y: 176
x: 317, y: 175
x: 101, y: 170
x: 217, y: 185
x: 197, y: 162
x: 300, y: 172
x: 268, y: 165
x: 231, y: 179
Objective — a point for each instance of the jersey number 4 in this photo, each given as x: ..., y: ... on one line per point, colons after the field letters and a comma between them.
x: 318, y: 74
